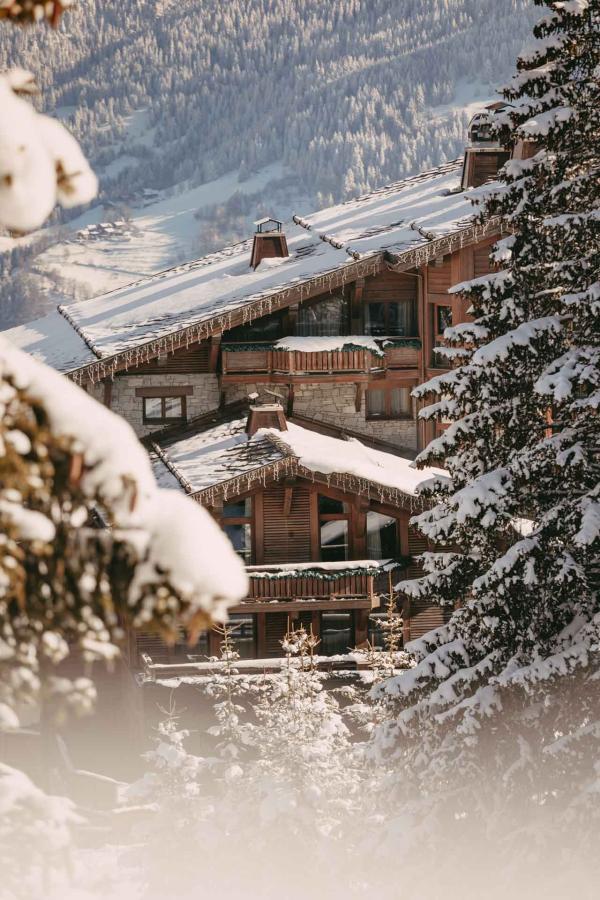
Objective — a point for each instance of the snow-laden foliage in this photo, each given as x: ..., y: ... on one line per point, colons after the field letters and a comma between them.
x: 41, y: 163
x: 35, y: 834
x: 502, y: 706
x: 24, y: 12
x: 67, y: 586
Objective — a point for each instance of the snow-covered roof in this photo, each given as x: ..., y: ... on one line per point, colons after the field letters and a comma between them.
x: 223, y: 459
x: 398, y: 217
x: 209, y: 457
x: 192, y: 301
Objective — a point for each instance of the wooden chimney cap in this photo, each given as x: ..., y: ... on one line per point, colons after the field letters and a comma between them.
x: 265, y: 415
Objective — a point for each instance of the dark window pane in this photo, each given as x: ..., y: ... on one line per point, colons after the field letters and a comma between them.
x: 400, y: 402
x: 329, y: 505
x: 444, y: 318
x: 376, y: 403
x: 337, y: 633
x: 376, y: 319
x: 334, y: 540
x: 238, y: 509
x: 376, y: 634
x: 244, y: 635
x: 327, y: 317
x: 240, y: 537
x: 381, y: 536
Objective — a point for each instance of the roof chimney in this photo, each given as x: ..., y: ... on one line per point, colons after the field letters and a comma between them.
x: 269, y: 241
x: 484, y: 155
x: 267, y: 415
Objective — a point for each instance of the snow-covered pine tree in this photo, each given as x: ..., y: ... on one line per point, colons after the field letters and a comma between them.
x: 503, y: 701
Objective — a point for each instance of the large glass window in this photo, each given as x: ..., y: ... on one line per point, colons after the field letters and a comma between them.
x: 389, y: 403
x: 333, y: 522
x: 392, y: 318
x: 267, y: 328
x: 237, y: 524
x: 337, y: 632
x: 382, y: 536
x: 326, y: 317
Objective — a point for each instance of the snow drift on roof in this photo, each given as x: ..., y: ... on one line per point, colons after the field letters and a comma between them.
x: 397, y: 218
x: 328, y: 455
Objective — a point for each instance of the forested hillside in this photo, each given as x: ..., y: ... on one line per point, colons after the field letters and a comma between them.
x: 339, y: 91
x: 323, y: 100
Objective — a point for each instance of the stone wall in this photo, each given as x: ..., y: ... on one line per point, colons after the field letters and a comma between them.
x: 204, y: 398
x: 335, y: 403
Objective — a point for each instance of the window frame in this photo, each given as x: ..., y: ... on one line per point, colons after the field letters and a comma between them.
x: 163, y: 419
x: 386, y: 302
x: 246, y: 520
x: 343, y: 516
x: 388, y: 415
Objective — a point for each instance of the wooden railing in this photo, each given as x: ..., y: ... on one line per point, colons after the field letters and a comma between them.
x: 295, y: 362
x: 257, y: 359
x: 299, y: 587
x: 402, y: 357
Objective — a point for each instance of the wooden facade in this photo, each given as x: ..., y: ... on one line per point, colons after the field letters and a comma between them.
x: 283, y: 517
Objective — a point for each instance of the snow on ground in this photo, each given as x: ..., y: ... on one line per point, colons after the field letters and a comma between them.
x: 161, y: 231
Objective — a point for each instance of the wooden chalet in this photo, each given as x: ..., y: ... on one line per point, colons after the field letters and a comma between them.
x: 340, y: 314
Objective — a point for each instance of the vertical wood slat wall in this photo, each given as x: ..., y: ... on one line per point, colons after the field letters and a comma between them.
x: 286, y: 539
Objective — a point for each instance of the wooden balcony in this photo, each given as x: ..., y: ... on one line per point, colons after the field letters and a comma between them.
x: 243, y: 362
x: 306, y: 586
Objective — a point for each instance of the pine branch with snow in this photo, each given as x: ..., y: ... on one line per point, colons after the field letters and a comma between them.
x: 69, y: 588
x: 519, y: 514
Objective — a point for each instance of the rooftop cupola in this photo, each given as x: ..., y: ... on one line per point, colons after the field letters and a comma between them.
x: 265, y: 415
x: 484, y: 155
x: 269, y: 241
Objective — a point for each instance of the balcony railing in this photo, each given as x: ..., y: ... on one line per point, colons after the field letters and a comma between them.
x: 246, y: 359
x: 355, y: 585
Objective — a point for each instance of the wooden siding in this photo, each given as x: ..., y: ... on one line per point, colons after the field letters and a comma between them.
x: 439, y: 277
x: 481, y: 261
x: 388, y: 285
x: 276, y: 625
x: 402, y: 357
x: 286, y: 539
x: 195, y: 359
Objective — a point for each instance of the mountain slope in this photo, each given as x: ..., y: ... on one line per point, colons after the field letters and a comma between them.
x: 339, y: 97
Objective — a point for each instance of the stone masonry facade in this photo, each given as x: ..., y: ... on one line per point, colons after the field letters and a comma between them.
x: 204, y: 396
x: 335, y: 404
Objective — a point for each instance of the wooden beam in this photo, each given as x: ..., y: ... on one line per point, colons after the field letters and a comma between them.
x: 213, y: 356
x: 323, y: 604
x: 358, y: 398
x: 287, y: 501
x: 361, y: 627
x: 258, y: 530
x: 290, y: 401
x: 175, y: 390
x: 261, y: 630
x: 108, y: 388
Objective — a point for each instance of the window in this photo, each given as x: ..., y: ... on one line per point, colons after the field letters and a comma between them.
x: 389, y: 403
x: 244, y: 634
x: 337, y: 633
x: 162, y: 410
x: 382, y: 536
x: 443, y: 318
x: 326, y: 318
x: 237, y: 525
x: 333, y: 523
x: 396, y: 318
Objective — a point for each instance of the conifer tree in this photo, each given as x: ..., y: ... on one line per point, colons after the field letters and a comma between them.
x: 508, y: 685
